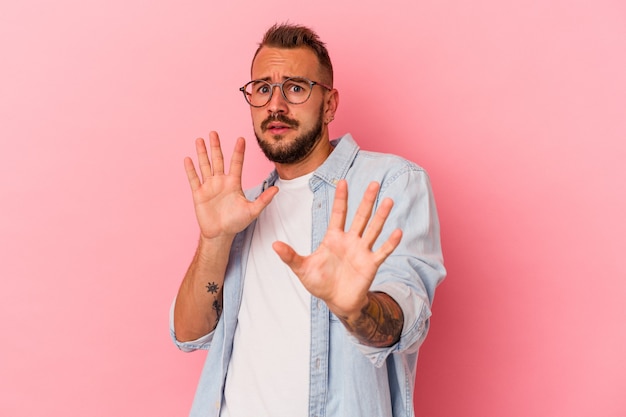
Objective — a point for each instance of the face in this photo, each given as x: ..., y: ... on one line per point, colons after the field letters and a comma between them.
x: 288, y: 133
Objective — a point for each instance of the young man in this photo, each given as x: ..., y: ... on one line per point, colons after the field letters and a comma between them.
x: 311, y: 301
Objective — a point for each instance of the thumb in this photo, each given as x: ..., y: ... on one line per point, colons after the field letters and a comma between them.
x: 264, y: 199
x: 287, y: 255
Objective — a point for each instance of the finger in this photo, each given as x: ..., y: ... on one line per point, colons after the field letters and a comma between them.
x: 263, y: 200
x: 203, y: 159
x: 388, y: 247
x: 236, y: 162
x: 192, y: 176
x: 364, y: 212
x: 377, y: 222
x: 288, y: 256
x: 217, y: 157
x: 340, y: 207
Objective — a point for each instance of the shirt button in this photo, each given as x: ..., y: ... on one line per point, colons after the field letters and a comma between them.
x: 317, y: 363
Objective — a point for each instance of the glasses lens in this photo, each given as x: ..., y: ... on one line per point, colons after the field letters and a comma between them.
x: 294, y: 90
x: 297, y: 90
x: 258, y: 92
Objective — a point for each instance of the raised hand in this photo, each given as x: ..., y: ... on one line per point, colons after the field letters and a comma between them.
x: 342, y: 268
x: 221, y: 207
x: 222, y: 211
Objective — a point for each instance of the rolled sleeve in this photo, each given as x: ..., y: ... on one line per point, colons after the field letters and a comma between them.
x: 416, y: 313
x: 203, y: 342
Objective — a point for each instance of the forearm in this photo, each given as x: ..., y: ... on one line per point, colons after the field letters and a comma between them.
x: 379, y: 323
x: 200, y: 297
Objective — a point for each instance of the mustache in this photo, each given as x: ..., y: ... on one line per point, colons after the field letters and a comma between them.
x: 279, y: 117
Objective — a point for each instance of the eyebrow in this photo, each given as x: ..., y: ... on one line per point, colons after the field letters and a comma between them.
x: 269, y: 79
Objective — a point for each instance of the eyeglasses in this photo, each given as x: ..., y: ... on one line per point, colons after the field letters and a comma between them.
x: 295, y: 90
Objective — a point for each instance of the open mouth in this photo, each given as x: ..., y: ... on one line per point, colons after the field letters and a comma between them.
x: 278, y: 124
x: 277, y: 128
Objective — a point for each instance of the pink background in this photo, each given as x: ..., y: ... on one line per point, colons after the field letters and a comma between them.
x: 516, y: 108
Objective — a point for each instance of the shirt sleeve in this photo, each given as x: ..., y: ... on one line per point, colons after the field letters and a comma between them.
x: 203, y: 342
x: 416, y: 314
x: 411, y: 273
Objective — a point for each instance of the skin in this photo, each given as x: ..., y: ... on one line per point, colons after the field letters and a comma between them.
x: 341, y: 270
x: 275, y: 65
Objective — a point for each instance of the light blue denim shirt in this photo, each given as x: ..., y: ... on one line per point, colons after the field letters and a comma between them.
x: 347, y: 378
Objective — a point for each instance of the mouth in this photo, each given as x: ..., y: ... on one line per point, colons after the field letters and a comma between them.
x: 278, y: 124
x: 277, y: 128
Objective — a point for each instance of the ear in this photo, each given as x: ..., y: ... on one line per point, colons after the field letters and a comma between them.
x: 330, y: 105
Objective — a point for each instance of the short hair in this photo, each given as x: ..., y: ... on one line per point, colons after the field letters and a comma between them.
x: 290, y: 36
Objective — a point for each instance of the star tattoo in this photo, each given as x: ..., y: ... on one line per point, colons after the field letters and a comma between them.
x: 212, y: 287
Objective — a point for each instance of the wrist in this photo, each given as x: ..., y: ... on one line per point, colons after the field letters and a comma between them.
x: 354, y: 312
x: 214, y: 245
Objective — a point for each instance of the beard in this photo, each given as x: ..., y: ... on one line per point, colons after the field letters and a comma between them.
x: 296, y: 151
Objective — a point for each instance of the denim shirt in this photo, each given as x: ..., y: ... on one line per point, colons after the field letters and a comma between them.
x: 346, y: 377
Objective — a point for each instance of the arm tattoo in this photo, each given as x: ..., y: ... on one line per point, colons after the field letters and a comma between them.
x: 214, y: 289
x: 217, y: 306
x: 380, y: 323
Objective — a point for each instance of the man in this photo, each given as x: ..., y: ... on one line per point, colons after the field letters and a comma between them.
x: 311, y: 301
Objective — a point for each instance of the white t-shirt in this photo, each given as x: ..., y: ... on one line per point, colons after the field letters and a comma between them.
x: 268, y: 374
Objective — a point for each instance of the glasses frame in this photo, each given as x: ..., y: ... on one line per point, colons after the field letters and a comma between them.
x: 282, y: 92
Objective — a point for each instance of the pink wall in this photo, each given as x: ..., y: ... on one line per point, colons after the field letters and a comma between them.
x: 516, y: 108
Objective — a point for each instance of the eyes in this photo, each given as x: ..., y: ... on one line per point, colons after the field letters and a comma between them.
x: 290, y: 87
x: 296, y: 90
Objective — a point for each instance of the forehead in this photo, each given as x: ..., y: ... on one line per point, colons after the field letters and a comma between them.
x: 278, y: 63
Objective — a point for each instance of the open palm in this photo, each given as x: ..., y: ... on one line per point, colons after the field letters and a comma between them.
x: 342, y: 268
x: 221, y: 207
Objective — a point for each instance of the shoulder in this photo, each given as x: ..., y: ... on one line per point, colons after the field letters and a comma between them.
x: 392, y: 161
x: 385, y: 167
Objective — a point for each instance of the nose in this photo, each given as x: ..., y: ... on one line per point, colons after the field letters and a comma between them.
x: 277, y: 102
